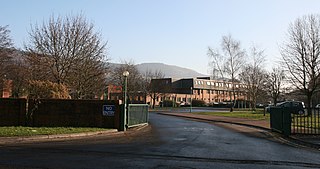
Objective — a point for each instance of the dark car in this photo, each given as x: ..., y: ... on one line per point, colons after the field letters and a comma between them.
x: 267, y: 109
x: 294, y: 107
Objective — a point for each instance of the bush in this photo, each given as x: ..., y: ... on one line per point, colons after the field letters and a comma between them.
x: 167, y: 103
x: 47, y: 90
x: 198, y: 103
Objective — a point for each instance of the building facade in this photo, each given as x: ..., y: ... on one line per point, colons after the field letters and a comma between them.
x: 114, y: 92
x: 6, y: 88
x: 211, y: 92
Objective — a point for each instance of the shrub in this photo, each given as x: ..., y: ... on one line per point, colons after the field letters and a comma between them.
x: 47, y: 90
x: 198, y: 103
x: 167, y: 103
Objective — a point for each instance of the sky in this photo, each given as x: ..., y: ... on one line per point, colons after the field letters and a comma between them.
x: 174, y: 32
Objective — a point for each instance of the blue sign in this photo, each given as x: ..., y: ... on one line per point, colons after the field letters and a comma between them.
x: 108, y: 110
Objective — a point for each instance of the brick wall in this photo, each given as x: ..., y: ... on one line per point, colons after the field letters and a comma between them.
x: 58, y: 113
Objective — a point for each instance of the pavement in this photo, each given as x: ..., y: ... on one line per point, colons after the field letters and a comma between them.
x: 308, y: 141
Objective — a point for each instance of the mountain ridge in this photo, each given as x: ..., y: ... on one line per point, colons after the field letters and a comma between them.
x: 169, y: 71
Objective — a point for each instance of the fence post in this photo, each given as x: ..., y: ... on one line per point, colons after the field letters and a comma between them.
x: 286, y: 114
x: 121, y: 118
x: 23, y: 112
x: 280, y: 120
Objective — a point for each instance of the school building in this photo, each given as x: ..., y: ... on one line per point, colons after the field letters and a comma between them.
x: 212, y: 92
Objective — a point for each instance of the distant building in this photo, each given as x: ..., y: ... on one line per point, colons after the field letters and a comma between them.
x: 6, y: 88
x: 210, y: 91
x: 114, y: 92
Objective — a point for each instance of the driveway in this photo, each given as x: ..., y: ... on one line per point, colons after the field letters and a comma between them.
x: 168, y: 142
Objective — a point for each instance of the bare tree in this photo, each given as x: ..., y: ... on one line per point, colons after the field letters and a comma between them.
x: 301, y: 55
x: 5, y: 50
x: 148, y: 87
x: 88, y: 79
x: 68, y: 51
x: 135, y: 79
x: 233, y: 60
x: 18, y: 73
x: 254, y: 76
x: 216, y: 63
x: 275, y: 83
x: 5, y: 40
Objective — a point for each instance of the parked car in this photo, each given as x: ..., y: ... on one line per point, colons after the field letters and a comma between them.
x: 295, y: 107
x: 267, y: 109
x: 260, y: 105
x: 184, y: 104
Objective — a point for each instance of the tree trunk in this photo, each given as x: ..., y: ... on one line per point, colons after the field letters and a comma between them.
x: 309, y: 109
x: 153, y: 102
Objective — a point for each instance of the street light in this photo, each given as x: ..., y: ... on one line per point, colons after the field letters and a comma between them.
x: 125, y: 75
x: 191, y: 100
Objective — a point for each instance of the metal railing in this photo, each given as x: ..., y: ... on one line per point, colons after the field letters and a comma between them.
x: 138, y: 114
x: 307, y: 123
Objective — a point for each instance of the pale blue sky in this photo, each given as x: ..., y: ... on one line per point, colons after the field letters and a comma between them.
x: 175, y: 32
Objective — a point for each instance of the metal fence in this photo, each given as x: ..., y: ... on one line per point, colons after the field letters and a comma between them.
x: 138, y: 114
x: 308, y: 123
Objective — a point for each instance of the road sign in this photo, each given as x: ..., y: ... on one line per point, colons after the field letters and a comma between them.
x: 108, y: 110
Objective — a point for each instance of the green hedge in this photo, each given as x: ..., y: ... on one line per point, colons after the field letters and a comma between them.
x: 198, y: 103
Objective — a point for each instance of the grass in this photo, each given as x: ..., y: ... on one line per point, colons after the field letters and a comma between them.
x: 254, y: 115
x: 32, y: 131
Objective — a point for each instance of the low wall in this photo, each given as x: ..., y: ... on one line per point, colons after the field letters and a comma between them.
x: 58, y: 113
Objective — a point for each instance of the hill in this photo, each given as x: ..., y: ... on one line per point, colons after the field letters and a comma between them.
x: 169, y: 70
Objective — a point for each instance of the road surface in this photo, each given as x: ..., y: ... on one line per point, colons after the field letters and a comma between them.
x: 168, y: 142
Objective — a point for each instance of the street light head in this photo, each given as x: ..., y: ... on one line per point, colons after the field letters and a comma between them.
x: 125, y: 74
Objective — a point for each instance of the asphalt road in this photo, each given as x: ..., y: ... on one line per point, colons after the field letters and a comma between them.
x: 169, y: 142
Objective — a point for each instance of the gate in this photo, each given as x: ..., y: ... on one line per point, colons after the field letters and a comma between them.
x: 286, y: 122
x: 138, y: 114
x: 306, y: 123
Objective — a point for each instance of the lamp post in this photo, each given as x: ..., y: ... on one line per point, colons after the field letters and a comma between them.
x: 191, y: 99
x: 125, y: 75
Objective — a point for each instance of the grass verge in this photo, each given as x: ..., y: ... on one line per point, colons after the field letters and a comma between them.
x: 32, y: 131
x: 254, y: 115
